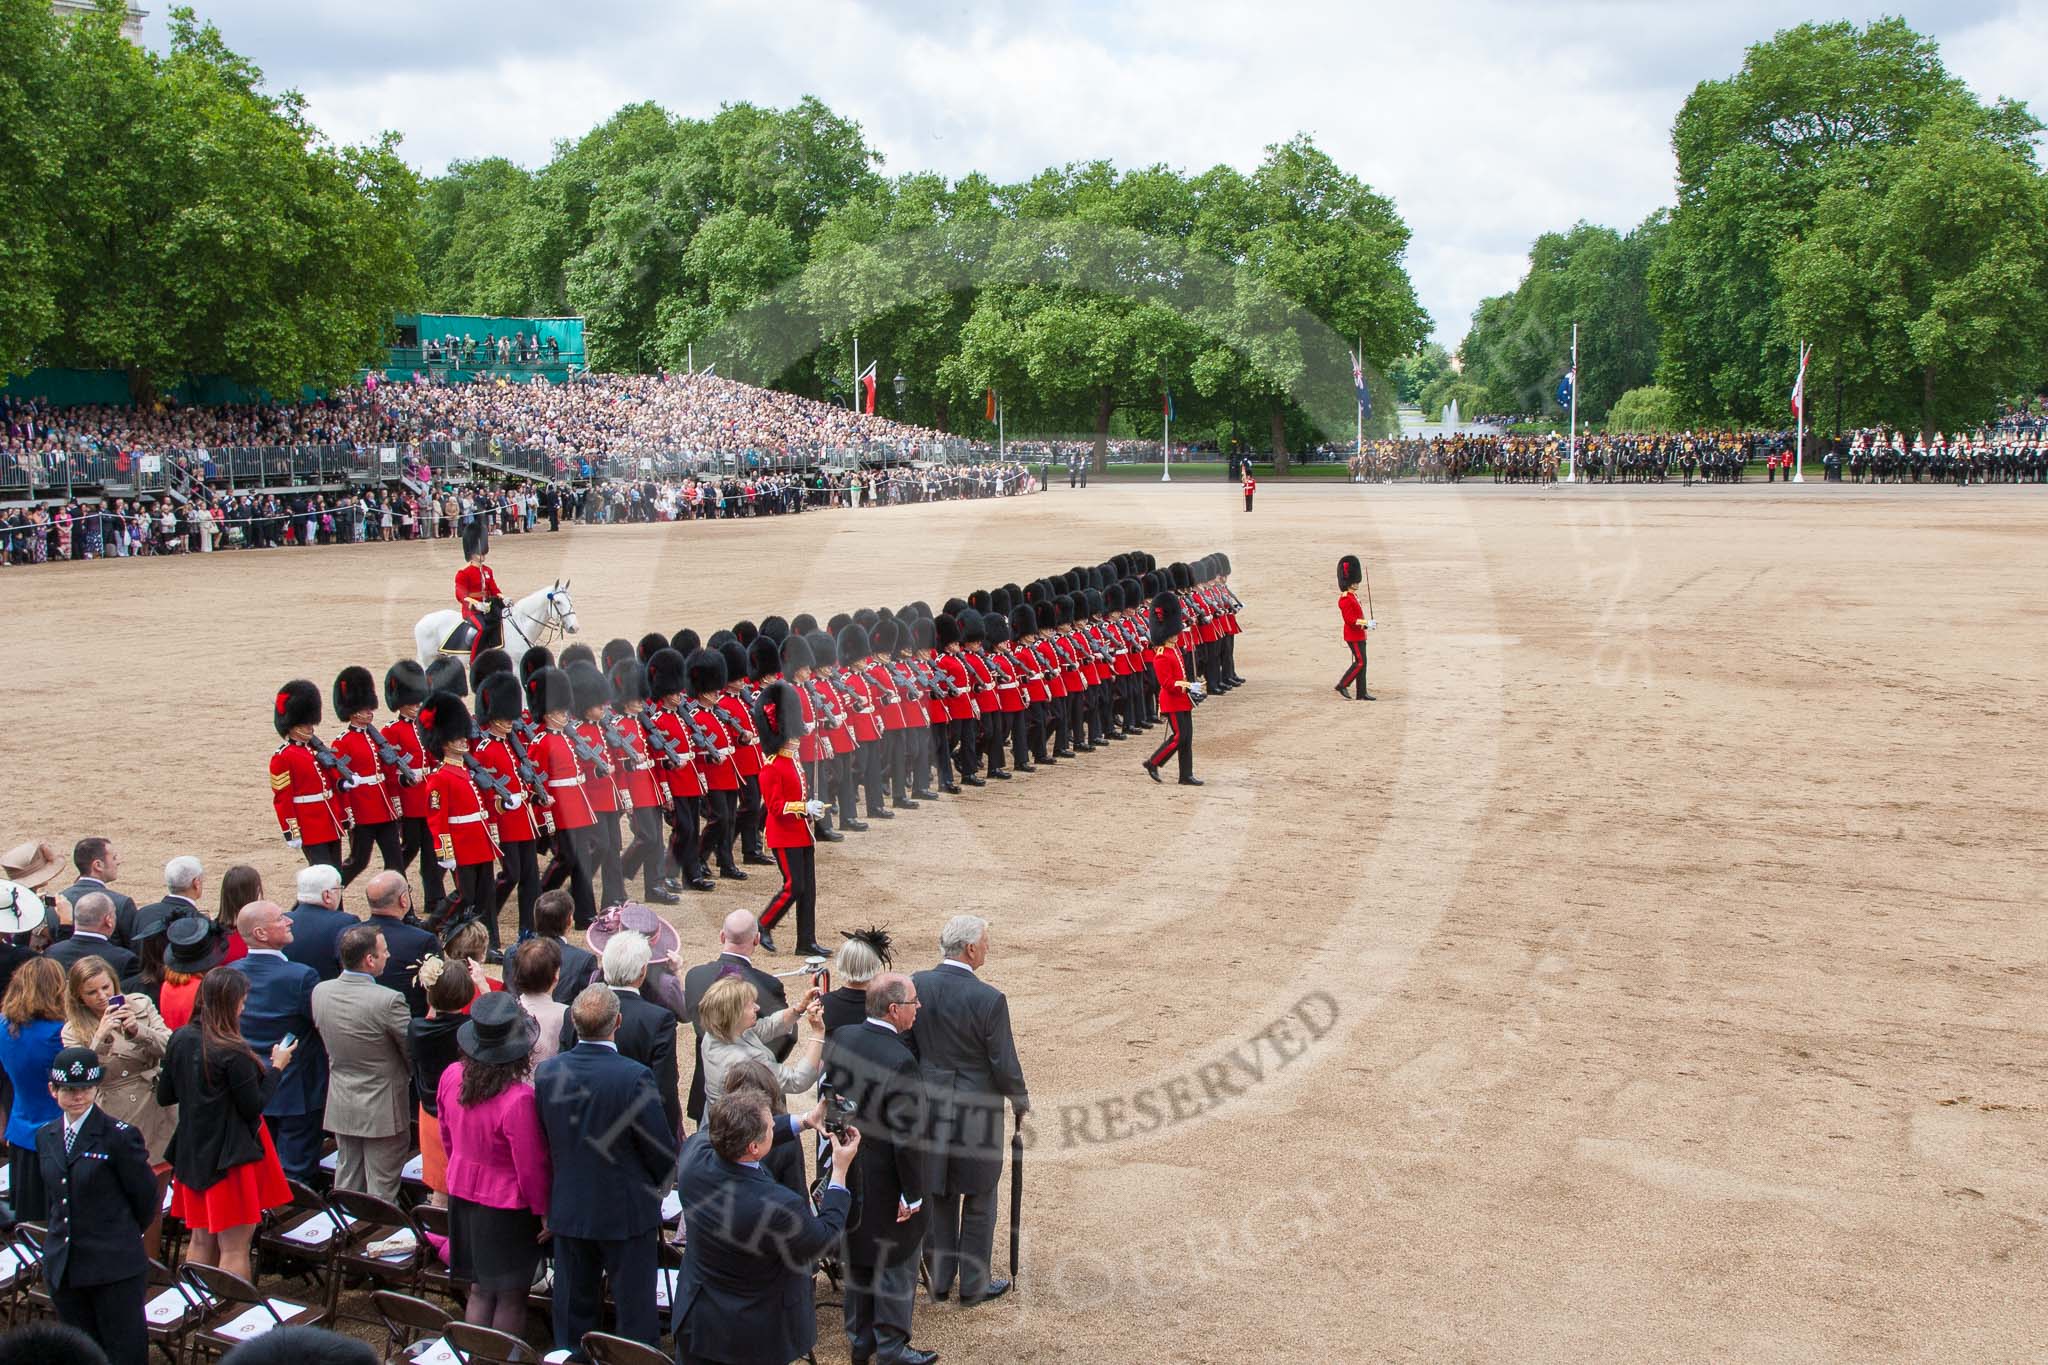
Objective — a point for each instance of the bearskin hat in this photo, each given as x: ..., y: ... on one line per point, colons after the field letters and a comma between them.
x: 883, y: 636
x: 649, y: 643
x: 705, y: 671
x: 1163, y: 617
x: 576, y: 653
x: 954, y: 606
x: 764, y: 659
x: 1016, y: 593
x: 1045, y: 614
x: 923, y: 632
x: 923, y: 608
x: 1348, y: 572
x: 796, y: 654
x: 298, y: 703
x: 476, y: 538
x: 1134, y: 594
x: 946, y: 628
x: 629, y: 680
x: 867, y: 617
x: 1222, y: 564
x: 540, y: 656
x: 685, y: 642
x: 588, y: 688
x: 718, y: 639
x: 500, y: 698
x: 735, y: 655
x: 1022, y: 622
x: 405, y: 684
x: 666, y: 674
x: 824, y: 654
x: 999, y: 601
x: 1178, y: 575
x: 1094, y: 601
x: 1063, y: 609
x: 775, y: 628
x: 547, y: 689
x: 972, y: 632
x: 488, y: 662
x: 744, y: 632
x: 615, y: 650
x: 996, y: 626
x: 447, y: 674
x: 978, y: 599
x: 840, y: 620
x: 779, y: 718
x: 803, y: 623
x: 853, y: 643
x: 1034, y: 591
x: 1149, y: 584
x: 1113, y: 598
x: 354, y: 690
x: 443, y: 718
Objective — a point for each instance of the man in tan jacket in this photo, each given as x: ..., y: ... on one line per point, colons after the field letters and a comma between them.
x: 369, y: 1087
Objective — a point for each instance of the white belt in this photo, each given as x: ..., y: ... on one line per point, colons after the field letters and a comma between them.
x: 472, y: 818
x: 576, y: 781
x: 309, y: 800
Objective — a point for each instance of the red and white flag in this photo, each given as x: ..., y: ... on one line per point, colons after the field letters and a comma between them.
x: 1799, y: 385
x: 867, y: 384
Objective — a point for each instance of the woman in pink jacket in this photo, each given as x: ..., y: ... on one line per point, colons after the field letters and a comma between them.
x: 498, y: 1168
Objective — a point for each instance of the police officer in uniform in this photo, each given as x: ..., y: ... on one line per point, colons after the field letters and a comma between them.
x: 102, y: 1196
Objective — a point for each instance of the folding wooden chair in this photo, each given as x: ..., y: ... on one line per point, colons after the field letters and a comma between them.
x: 172, y: 1310
x: 237, y: 1311
x: 34, y: 1300
x: 304, y: 1238
x: 435, y: 1276
x: 605, y: 1349
x: 372, y: 1220
x: 474, y: 1345
x: 412, y: 1327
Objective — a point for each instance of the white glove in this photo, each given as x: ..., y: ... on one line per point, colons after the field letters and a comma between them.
x: 516, y: 800
x: 814, y: 810
x: 357, y: 781
x: 290, y: 842
x: 1372, y: 625
x: 448, y: 863
x: 724, y: 754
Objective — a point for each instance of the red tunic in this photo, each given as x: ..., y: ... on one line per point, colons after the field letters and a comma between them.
x: 959, y: 707
x: 474, y: 582
x: 1166, y: 663
x: 935, y: 708
x: 369, y: 794
x: 455, y: 817
x: 1049, y: 665
x: 782, y: 781
x: 724, y: 776
x: 634, y: 767
x: 683, y: 779
x: 1353, y: 613
x: 867, y: 712
x: 887, y: 695
x: 510, y: 826
x: 303, y: 794
x: 405, y: 737
x: 840, y: 736
x: 604, y: 796
x: 564, y: 775
x: 747, y: 756
x: 1009, y: 695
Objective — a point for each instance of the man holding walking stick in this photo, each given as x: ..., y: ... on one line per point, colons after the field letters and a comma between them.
x: 1358, y: 621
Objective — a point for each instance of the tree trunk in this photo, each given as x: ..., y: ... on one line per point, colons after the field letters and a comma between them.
x: 1927, y: 405
x: 141, y: 386
x: 1099, y: 461
x: 939, y: 415
x: 1279, y: 437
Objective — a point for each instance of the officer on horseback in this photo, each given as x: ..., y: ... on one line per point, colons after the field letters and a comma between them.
x: 476, y: 591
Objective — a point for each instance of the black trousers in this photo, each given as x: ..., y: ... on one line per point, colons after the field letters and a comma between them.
x: 111, y: 1314
x: 896, y: 747
x: 576, y: 857
x: 1020, y: 736
x: 475, y: 889
x: 994, y: 725
x: 747, y: 817
x: 329, y: 853
x: 1357, y: 669
x: 416, y: 842
x: 938, y: 748
x: 872, y: 761
x: 964, y: 735
x: 519, y: 870
x: 878, y: 1299
x: 682, y: 840
x: 716, y: 839
x: 385, y: 837
x: 1180, y: 739
x: 645, y: 854
x: 611, y: 868
x: 582, y: 1265
x: 959, y: 1241
x: 799, y: 891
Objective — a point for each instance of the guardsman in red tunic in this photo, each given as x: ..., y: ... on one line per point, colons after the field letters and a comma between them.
x: 463, y: 843
x: 747, y: 758
x: 499, y: 704
x: 790, y: 809
x: 836, y: 778
x: 476, y: 588
x: 1176, y: 700
x: 644, y: 793
x: 1352, y: 612
x: 705, y: 673
x: 1031, y: 681
x: 866, y: 768
x: 683, y: 775
x: 1251, y: 486
x: 548, y: 697
x: 589, y: 696
x: 988, y: 709
x: 309, y: 808
x: 1231, y: 628
x: 813, y: 751
x: 405, y: 688
x: 371, y: 791
x: 886, y: 679
x: 933, y: 753
x: 962, y: 713
x: 1002, y: 661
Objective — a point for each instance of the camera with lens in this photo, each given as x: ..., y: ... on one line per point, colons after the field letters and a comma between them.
x: 838, y: 1109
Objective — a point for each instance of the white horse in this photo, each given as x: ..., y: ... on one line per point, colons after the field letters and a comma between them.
x: 539, y: 618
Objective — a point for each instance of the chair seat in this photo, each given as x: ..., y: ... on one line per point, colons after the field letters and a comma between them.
x: 254, y: 1321
x: 433, y: 1351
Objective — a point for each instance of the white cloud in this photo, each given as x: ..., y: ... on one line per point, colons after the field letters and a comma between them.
x: 1487, y: 121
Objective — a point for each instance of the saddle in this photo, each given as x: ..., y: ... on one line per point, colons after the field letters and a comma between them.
x: 463, y: 638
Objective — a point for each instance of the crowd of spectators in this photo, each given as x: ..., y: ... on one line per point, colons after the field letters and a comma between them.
x: 260, y: 1086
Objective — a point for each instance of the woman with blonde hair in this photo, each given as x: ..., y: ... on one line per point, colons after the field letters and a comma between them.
x: 471, y: 942
x: 34, y: 1011
x: 129, y: 1038
x: 450, y: 989
x: 734, y: 1031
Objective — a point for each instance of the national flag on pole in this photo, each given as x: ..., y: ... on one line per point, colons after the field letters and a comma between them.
x: 1565, y: 387
x: 1166, y: 405
x: 990, y: 413
x: 867, y: 384
x: 1358, y: 383
x: 1799, y: 386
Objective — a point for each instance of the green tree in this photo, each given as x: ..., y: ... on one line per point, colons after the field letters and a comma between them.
x: 1413, y: 373
x: 31, y: 178
x: 1646, y: 409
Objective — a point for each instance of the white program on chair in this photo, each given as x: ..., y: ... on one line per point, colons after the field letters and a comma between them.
x: 255, y: 1320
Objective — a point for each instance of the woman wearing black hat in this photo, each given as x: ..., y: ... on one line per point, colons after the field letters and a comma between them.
x: 498, y: 1170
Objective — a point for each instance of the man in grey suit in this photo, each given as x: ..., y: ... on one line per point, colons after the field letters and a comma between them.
x: 968, y: 1064
x: 369, y: 1083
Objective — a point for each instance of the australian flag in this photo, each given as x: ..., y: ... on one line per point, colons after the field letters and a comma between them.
x: 1564, y: 388
x: 1358, y: 383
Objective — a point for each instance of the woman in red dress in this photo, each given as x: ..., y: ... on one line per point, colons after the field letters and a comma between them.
x: 225, y: 1172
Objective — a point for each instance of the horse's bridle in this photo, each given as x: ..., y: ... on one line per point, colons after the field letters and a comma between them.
x: 552, y: 626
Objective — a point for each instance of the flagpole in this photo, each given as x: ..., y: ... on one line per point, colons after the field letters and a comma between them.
x: 1572, y: 441
x: 1002, y: 450
x: 1358, y: 360
x: 856, y: 372
x: 1799, y: 441
x: 1166, y: 439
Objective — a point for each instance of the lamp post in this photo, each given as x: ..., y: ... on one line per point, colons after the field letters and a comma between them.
x: 901, y: 385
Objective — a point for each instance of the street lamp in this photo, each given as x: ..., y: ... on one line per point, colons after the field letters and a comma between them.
x: 901, y: 385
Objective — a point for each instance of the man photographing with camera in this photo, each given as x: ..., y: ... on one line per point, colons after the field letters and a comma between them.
x: 751, y: 1244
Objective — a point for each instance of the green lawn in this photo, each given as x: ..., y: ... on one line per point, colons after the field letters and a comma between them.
x: 1211, y: 471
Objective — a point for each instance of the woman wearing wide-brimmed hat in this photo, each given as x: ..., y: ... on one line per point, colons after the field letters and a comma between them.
x: 196, y: 948
x: 499, y: 1174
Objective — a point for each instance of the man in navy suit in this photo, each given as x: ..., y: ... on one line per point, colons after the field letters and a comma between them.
x: 613, y: 1150
x: 390, y: 899
x: 744, y: 1294
x: 97, y: 864
x: 281, y: 1002
x: 317, y: 921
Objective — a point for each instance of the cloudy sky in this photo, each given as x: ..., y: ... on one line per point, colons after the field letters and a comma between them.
x: 1487, y: 121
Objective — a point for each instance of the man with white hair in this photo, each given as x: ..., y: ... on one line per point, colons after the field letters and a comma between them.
x: 318, y: 921
x: 184, y: 884
x: 647, y: 1030
x: 92, y: 928
x: 967, y: 1061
